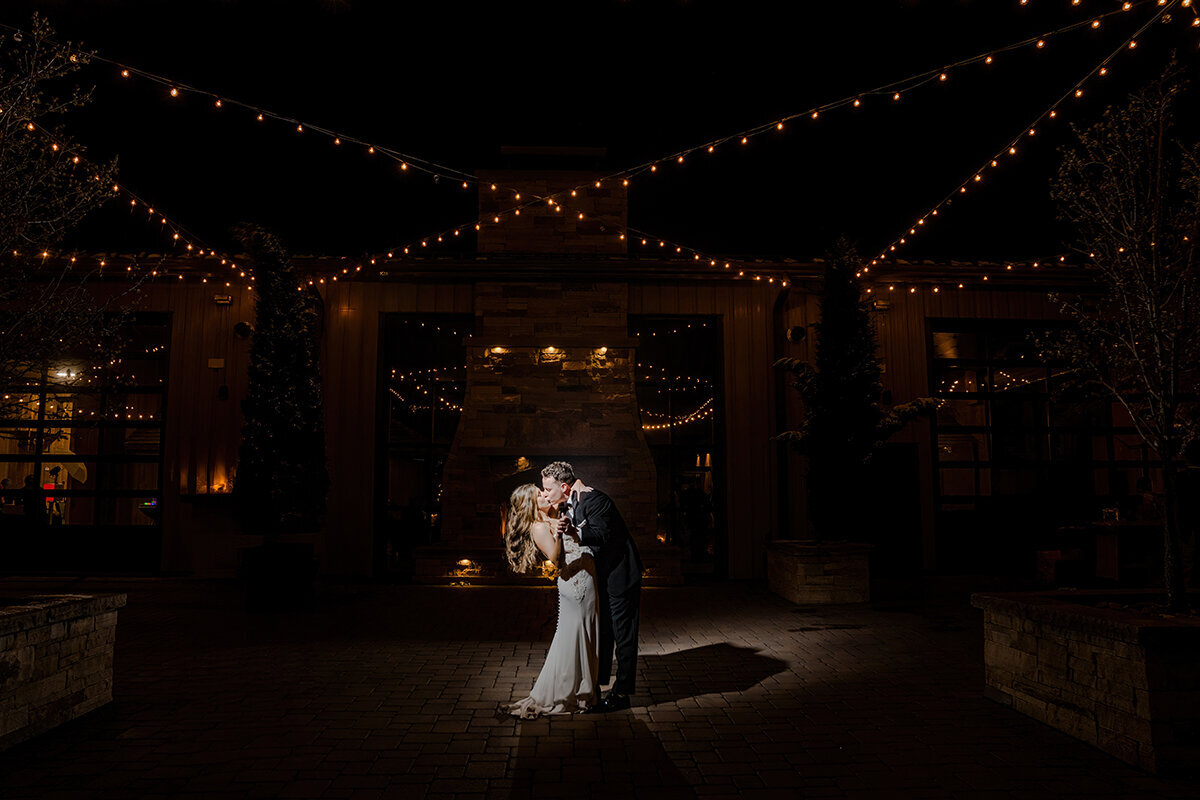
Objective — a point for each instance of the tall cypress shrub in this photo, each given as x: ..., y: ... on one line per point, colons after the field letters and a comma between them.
x: 282, y: 479
x: 845, y: 420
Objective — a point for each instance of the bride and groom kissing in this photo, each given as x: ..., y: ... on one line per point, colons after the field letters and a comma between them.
x: 578, y: 528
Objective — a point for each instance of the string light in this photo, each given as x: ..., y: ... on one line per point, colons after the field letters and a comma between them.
x: 1011, y: 148
x: 625, y: 175
x: 465, y: 179
x: 705, y: 411
x: 176, y: 232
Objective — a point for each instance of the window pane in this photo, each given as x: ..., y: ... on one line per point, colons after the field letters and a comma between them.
x: 965, y: 482
x: 956, y: 413
x: 71, y: 510
x: 79, y: 407
x: 1011, y: 347
x: 142, y: 407
x: 956, y: 344
x: 18, y: 441
x: 1120, y: 417
x: 59, y: 473
x: 1012, y: 447
x: 1018, y: 411
x: 1130, y: 448
x: 1019, y: 379
x: 959, y: 380
x: 19, y: 405
x: 962, y: 447
x: 145, y: 370
x: 103, y: 439
x: 1071, y: 447
x: 12, y: 478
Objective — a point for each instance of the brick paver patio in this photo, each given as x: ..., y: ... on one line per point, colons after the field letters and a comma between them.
x: 392, y: 691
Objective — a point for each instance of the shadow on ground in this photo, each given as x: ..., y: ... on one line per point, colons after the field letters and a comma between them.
x: 711, y: 669
x: 593, y: 756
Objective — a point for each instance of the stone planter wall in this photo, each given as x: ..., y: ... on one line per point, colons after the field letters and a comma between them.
x: 819, y: 573
x: 56, y: 660
x: 1126, y: 683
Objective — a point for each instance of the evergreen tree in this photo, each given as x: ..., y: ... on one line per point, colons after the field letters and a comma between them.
x: 845, y: 421
x: 282, y: 479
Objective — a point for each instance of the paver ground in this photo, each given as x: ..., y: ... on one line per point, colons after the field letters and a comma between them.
x: 391, y: 691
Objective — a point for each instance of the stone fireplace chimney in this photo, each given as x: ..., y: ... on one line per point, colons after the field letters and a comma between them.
x: 549, y: 376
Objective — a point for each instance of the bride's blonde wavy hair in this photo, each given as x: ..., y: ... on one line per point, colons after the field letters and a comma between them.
x: 519, y: 548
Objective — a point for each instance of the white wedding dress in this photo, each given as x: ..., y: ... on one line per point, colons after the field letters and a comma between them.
x: 567, y: 682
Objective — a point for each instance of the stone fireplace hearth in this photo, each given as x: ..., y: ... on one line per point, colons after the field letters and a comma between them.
x: 549, y: 375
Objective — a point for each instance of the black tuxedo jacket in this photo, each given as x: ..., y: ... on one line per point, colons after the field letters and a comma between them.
x: 601, y: 528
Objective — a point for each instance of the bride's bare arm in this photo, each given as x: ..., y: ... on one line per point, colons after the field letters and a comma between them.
x: 547, y: 541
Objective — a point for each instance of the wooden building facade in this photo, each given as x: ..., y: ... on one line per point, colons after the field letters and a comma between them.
x: 688, y: 347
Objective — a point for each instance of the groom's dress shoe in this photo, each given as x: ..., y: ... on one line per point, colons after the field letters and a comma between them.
x: 611, y: 702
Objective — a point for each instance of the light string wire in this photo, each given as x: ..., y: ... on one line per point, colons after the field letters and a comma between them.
x: 1028, y: 130
x: 1057, y: 260
x: 910, y: 82
x: 438, y: 170
x: 895, y: 88
x: 557, y: 199
x: 646, y: 239
x: 907, y: 83
x: 177, y: 88
x: 179, y: 234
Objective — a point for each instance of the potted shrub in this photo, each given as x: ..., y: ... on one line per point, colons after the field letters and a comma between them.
x: 844, y: 425
x: 281, y: 480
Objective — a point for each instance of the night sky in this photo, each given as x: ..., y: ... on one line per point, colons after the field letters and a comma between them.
x: 453, y: 82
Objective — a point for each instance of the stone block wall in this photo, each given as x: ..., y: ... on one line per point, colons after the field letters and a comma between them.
x: 56, y: 660
x: 542, y: 229
x: 550, y: 375
x: 1128, y: 684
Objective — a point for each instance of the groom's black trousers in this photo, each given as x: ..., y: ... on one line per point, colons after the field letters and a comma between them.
x: 619, y: 626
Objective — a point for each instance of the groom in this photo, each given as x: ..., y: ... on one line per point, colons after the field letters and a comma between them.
x: 619, y: 575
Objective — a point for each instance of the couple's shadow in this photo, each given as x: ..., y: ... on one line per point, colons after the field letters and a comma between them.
x: 618, y: 755
x: 719, y: 668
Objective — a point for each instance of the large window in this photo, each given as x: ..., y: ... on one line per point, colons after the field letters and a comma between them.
x: 679, y: 395
x: 81, y: 450
x: 423, y: 385
x: 1019, y: 456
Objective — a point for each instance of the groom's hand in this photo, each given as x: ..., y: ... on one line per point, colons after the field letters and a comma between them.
x: 563, y: 526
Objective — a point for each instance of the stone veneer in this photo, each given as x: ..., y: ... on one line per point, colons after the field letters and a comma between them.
x: 56, y: 660
x: 1127, y: 683
x: 541, y: 229
x: 819, y: 573
x: 549, y: 375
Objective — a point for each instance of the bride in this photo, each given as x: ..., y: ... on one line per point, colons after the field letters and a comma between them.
x: 567, y: 682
